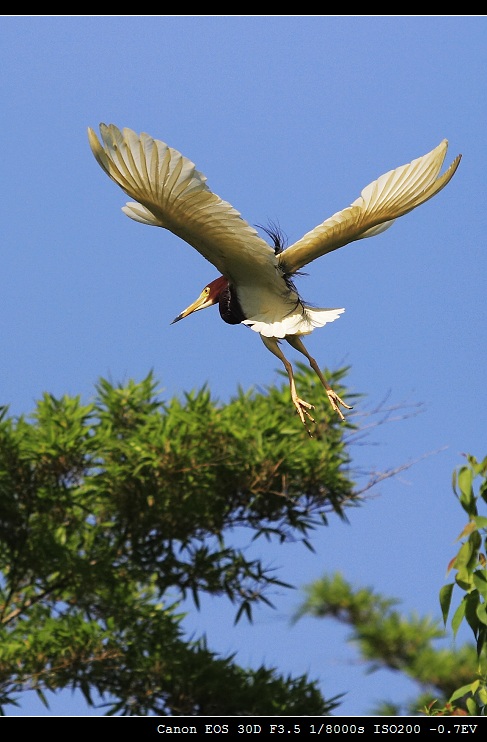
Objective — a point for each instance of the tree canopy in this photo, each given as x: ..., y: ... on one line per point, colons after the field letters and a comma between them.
x: 112, y: 512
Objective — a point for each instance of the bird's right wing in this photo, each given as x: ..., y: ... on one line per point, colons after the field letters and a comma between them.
x: 380, y: 203
x: 171, y: 193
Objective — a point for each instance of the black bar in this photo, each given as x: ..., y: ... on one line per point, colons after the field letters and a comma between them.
x: 276, y: 727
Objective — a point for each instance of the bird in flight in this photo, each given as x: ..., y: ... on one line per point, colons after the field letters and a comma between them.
x: 256, y: 286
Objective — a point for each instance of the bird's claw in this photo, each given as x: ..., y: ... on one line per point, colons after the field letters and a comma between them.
x: 302, y: 408
x: 335, y: 401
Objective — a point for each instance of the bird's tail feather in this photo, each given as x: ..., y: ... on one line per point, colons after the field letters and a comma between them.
x: 301, y: 322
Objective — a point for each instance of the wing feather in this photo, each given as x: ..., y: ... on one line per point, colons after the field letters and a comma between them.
x: 169, y: 192
x: 381, y: 202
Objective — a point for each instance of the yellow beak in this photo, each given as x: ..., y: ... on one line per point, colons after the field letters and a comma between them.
x: 204, y: 300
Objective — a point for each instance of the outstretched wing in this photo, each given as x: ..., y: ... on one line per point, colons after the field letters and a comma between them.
x: 170, y: 193
x: 384, y: 200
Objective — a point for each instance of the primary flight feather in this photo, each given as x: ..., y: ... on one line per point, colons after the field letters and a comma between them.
x: 255, y: 287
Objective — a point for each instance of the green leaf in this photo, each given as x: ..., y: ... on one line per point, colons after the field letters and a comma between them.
x: 482, y: 695
x: 472, y: 707
x: 42, y: 697
x: 480, y: 581
x: 467, y: 497
x: 481, y: 639
x: 465, y: 479
x: 245, y: 607
x: 458, y: 617
x: 446, y: 593
x: 60, y: 535
x: 463, y: 691
x: 464, y: 555
x: 471, y: 604
x: 464, y: 579
x: 481, y: 613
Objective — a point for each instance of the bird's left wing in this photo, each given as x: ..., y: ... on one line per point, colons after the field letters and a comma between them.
x: 171, y: 193
x: 380, y: 203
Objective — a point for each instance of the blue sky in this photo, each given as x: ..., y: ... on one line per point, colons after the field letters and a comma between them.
x: 289, y: 117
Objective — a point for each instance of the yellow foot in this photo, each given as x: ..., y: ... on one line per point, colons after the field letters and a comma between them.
x: 302, y: 407
x: 335, y: 401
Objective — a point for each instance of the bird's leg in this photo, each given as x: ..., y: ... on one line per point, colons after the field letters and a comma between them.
x: 301, y: 406
x: 296, y: 342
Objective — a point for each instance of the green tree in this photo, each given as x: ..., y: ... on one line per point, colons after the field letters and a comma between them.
x: 450, y: 681
x: 114, y: 512
x: 471, y: 577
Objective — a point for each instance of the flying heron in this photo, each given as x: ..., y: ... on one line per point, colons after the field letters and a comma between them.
x: 255, y: 287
